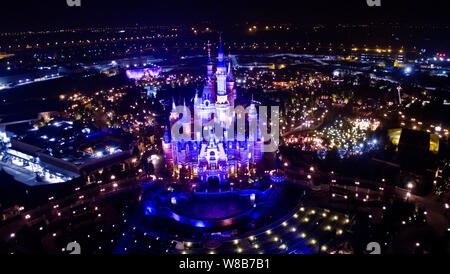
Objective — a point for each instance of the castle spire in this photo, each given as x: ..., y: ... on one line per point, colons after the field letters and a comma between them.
x: 174, y: 107
x: 173, y: 113
x: 209, y: 51
x: 221, y: 74
x: 166, y: 135
x: 230, y: 73
x: 252, y: 106
x: 196, y: 99
x: 220, y: 56
x: 209, y: 65
x: 184, y: 107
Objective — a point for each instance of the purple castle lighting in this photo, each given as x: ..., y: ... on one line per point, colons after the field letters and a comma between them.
x: 218, y: 158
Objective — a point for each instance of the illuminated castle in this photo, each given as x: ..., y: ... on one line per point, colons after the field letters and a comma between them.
x: 219, y: 158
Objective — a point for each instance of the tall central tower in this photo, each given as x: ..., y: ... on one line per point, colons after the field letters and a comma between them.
x: 221, y: 75
x: 222, y: 104
x: 209, y: 66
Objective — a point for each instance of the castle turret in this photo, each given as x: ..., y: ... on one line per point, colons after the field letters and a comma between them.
x: 166, y: 137
x: 253, y: 121
x: 167, y: 146
x: 173, y: 113
x: 230, y: 70
x: 196, y: 99
x: 186, y: 121
x: 221, y: 75
x: 230, y: 83
x: 209, y: 66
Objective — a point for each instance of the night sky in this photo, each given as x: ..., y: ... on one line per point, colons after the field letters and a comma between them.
x: 31, y: 15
